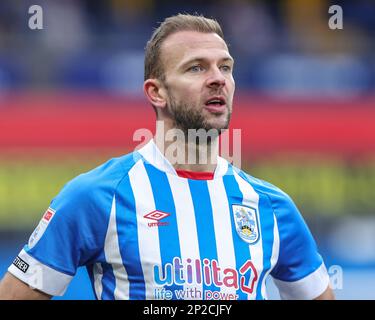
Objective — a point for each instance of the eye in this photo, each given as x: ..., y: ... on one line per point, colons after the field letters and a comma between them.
x: 196, y: 68
x: 226, y: 68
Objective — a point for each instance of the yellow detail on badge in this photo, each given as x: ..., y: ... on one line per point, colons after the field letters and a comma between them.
x: 246, y: 231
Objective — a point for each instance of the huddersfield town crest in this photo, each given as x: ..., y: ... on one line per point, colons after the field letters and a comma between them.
x: 246, y: 220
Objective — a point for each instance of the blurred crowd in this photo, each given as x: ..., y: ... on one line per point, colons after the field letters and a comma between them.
x: 282, y: 48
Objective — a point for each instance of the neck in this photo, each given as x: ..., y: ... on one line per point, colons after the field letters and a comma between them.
x: 193, y: 152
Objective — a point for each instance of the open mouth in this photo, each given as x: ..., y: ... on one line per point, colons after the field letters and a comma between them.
x: 215, y: 102
x: 216, y: 105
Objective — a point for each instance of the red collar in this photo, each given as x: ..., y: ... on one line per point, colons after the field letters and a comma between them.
x: 195, y: 175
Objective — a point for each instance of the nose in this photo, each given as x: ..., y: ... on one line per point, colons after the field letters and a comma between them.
x: 216, y: 79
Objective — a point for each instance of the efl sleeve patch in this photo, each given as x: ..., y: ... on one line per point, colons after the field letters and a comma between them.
x: 41, y: 228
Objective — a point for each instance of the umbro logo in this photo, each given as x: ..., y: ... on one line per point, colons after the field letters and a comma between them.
x: 157, y: 215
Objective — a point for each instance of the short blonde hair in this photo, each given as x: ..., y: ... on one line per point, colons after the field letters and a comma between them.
x: 181, y: 22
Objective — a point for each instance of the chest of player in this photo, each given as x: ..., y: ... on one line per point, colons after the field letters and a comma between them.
x: 198, y: 235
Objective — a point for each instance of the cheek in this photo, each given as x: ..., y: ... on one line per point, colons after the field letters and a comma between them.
x: 188, y: 93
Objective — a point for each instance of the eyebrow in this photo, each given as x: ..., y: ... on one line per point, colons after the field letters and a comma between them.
x: 198, y: 59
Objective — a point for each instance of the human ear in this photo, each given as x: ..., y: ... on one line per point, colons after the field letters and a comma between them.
x: 155, y: 93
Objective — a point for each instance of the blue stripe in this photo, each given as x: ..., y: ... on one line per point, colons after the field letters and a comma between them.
x: 205, y: 225
x: 168, y: 235
x: 241, y: 248
x: 266, y: 225
x: 126, y: 220
x: 108, y: 282
x: 90, y: 272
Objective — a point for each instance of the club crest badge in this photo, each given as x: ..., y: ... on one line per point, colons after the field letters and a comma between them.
x: 246, y: 221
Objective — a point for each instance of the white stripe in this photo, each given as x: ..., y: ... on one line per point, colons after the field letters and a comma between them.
x: 274, y: 256
x: 113, y: 257
x: 186, y: 224
x: 221, y: 167
x: 40, y: 276
x: 251, y: 198
x: 223, y: 230
x: 152, y: 154
x: 307, y: 288
x: 98, y: 275
x: 148, y: 237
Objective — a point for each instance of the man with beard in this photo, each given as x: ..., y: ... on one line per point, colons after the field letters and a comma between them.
x: 149, y: 227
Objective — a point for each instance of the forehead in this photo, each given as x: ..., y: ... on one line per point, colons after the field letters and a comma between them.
x: 184, y: 44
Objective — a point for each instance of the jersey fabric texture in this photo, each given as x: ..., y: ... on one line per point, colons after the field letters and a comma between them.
x: 144, y: 232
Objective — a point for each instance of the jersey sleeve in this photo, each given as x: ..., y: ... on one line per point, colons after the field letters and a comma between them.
x: 70, y: 234
x: 300, y: 272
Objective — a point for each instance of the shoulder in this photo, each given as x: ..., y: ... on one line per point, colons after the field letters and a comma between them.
x: 278, y: 198
x: 103, y: 178
x: 92, y: 192
x: 84, y: 204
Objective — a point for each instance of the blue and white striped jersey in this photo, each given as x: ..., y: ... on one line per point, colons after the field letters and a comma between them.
x: 144, y: 232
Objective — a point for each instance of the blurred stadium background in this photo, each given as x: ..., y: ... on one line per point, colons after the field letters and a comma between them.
x: 71, y: 97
